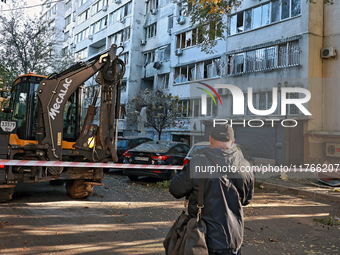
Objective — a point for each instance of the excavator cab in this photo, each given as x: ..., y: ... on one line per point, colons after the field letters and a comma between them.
x: 23, y: 109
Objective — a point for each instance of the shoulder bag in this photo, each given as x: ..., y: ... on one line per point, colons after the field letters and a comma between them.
x: 187, y: 236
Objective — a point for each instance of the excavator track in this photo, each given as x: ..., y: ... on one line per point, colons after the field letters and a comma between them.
x: 78, y: 188
x: 6, y: 194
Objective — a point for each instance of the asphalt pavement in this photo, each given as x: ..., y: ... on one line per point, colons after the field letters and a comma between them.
x: 125, y: 217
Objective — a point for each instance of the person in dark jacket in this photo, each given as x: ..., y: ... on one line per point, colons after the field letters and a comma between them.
x: 224, y: 191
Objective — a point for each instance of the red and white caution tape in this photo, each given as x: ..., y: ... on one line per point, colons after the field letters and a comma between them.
x: 8, y: 162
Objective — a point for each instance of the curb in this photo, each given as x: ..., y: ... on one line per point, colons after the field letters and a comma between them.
x: 297, y: 191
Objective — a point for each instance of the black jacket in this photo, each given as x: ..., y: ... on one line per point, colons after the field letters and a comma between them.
x: 223, y: 196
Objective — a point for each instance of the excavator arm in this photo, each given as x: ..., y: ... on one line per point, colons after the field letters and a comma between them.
x: 95, y: 142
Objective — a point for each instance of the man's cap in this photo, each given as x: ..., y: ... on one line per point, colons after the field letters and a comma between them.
x: 223, y: 133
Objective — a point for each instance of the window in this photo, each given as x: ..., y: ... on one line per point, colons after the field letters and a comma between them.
x: 150, y: 31
x: 120, y: 13
x: 277, y: 56
x: 239, y: 63
x: 270, y: 57
x: 80, y: 55
x: 81, y: 2
x: 98, y: 6
x: 193, y: 37
x: 83, y: 16
x: 170, y: 22
x: 262, y: 101
x: 163, y: 54
x: 149, y: 57
x: 196, y: 107
x: 211, y: 107
x: 247, y: 19
x: 293, y: 53
x: 285, y: 9
x: 67, y: 20
x: 120, y: 36
x: 296, y: 7
x: 163, y: 81
x: 68, y: 6
x: 292, y: 109
x: 65, y: 51
x: 66, y: 36
x: 250, y: 61
x: 184, y: 108
x: 264, y: 14
x: 81, y: 36
x: 99, y: 25
x: 256, y: 22
x: 125, y: 58
x: 151, y: 5
x: 275, y: 11
x: 239, y: 23
x: 196, y: 71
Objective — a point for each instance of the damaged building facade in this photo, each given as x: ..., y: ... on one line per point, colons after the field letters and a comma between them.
x: 269, y: 44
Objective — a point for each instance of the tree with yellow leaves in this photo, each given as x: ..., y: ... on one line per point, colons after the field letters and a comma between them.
x: 210, y: 19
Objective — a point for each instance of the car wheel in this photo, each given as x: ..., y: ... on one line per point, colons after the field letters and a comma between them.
x: 133, y: 177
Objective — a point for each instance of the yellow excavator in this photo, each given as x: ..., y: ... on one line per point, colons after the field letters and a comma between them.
x: 44, y: 123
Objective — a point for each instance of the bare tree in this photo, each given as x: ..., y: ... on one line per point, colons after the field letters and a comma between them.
x: 162, y: 110
x: 26, y: 44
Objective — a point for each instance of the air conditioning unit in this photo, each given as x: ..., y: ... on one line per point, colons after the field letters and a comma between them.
x: 74, y: 18
x: 48, y: 5
x: 169, y: 31
x: 90, y: 37
x: 117, y: 1
x: 181, y: 20
x: 328, y: 52
x: 153, y: 11
x: 73, y: 46
x: 157, y: 65
x: 142, y: 42
x: 333, y: 150
x: 104, y: 8
x: 122, y: 20
x: 40, y: 12
x: 121, y: 44
x: 179, y: 52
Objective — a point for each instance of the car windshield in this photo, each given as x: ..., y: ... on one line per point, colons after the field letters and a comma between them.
x: 122, y: 143
x: 153, y: 147
x: 198, y: 150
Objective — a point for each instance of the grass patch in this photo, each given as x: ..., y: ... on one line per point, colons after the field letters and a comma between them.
x: 163, y: 184
x: 327, y: 221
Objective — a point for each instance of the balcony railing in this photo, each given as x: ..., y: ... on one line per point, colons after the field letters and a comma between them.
x: 263, y: 60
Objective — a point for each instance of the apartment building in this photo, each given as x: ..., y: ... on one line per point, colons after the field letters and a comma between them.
x: 277, y: 44
x: 160, y: 50
x: 269, y: 44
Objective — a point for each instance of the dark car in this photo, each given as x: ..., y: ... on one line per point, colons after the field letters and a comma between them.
x: 155, y: 153
x: 127, y: 143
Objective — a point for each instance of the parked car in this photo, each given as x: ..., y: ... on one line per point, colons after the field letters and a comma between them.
x: 155, y: 153
x: 200, y: 147
x: 127, y: 143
